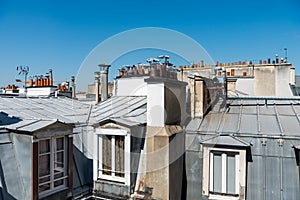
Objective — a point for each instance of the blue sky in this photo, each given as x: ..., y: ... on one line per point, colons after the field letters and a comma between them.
x: 54, y: 34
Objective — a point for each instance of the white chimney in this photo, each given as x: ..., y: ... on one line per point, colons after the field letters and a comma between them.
x: 104, y: 67
x: 97, y: 86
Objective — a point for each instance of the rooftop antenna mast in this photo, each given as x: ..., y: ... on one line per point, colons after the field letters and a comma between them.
x: 23, y: 70
x: 285, y: 54
x: 285, y: 50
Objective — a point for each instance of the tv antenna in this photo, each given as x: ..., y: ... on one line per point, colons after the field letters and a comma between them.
x: 285, y: 50
x: 23, y: 70
x: 285, y: 53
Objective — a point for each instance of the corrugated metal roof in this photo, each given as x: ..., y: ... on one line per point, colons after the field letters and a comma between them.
x: 253, y: 117
x: 131, y: 110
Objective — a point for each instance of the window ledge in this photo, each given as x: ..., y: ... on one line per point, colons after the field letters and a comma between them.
x: 222, y: 197
x: 50, y: 192
x: 114, y: 182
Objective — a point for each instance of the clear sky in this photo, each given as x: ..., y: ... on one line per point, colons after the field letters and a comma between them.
x: 45, y: 34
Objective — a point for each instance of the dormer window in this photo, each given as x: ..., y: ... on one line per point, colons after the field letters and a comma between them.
x: 225, y: 167
x: 113, y: 159
x: 52, y: 164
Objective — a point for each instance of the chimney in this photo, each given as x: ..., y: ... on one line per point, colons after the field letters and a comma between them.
x: 51, y: 78
x: 30, y: 83
x: 202, y: 64
x: 135, y: 72
x: 292, y: 76
x: 42, y: 81
x: 104, y: 67
x: 269, y: 60
x: 121, y: 72
x: 46, y: 81
x: 277, y: 60
x: 97, y: 86
x: 199, y: 97
x: 146, y: 69
x: 140, y: 70
x: 36, y: 81
x: 73, y: 87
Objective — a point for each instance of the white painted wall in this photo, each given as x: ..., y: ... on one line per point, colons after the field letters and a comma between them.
x: 155, y: 105
x: 245, y: 87
x: 40, y: 91
x: 131, y: 86
x: 282, y: 80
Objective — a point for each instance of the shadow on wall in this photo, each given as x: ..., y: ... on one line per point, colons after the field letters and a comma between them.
x: 82, y: 173
x: 4, y: 195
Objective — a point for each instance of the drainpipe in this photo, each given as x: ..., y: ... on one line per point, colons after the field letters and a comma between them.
x: 73, y: 87
x: 97, y: 86
x: 104, y: 67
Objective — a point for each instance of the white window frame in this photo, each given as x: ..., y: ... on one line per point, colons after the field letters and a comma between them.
x: 97, y: 158
x: 65, y: 169
x: 240, y: 173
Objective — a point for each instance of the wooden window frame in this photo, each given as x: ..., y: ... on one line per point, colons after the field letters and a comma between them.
x: 66, y: 168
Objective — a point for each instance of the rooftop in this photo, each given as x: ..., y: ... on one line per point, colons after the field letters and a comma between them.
x: 253, y: 117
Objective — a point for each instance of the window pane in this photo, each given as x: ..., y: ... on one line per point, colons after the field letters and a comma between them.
x: 44, y: 187
x: 58, y: 161
x: 58, y: 183
x: 231, y: 174
x: 44, y: 146
x: 217, y: 172
x: 106, y: 154
x: 59, y: 144
x: 51, y: 153
x: 119, y: 155
x: 44, y: 165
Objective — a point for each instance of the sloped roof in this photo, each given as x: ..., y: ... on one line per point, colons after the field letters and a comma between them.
x: 130, y: 110
x: 31, y: 125
x: 271, y: 117
x: 225, y: 140
x: 64, y: 109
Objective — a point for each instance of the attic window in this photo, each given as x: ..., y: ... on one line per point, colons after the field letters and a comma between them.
x: 112, y: 163
x: 52, y: 164
x: 225, y: 160
x: 223, y: 173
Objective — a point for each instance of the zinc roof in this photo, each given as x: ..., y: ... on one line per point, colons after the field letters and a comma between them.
x: 30, y: 125
x: 61, y: 108
x: 272, y: 117
x: 130, y: 110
